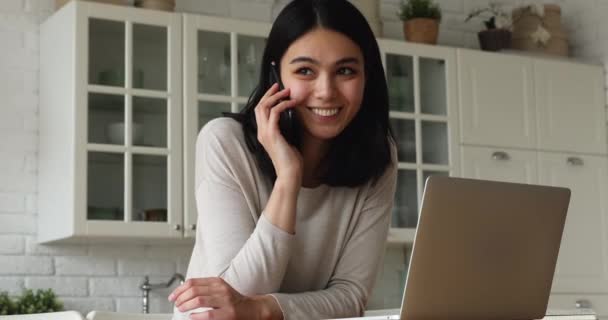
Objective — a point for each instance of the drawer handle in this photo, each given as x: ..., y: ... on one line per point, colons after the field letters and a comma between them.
x: 575, y: 161
x: 500, y: 156
x: 582, y: 304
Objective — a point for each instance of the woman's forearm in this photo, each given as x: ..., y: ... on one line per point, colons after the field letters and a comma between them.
x: 281, y: 207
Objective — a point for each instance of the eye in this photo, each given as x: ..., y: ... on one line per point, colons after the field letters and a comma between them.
x: 347, y: 71
x: 304, y: 71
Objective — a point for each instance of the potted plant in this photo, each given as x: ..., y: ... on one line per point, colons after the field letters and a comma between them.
x: 497, y: 34
x: 30, y: 302
x: 420, y: 20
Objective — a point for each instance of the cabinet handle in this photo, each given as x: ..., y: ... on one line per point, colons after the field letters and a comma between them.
x: 177, y: 227
x: 500, y: 156
x: 193, y: 227
x: 582, y: 304
x: 575, y: 161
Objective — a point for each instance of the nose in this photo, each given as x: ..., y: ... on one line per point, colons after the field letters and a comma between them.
x: 325, y: 88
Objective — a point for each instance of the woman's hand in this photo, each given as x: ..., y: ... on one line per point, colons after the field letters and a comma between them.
x: 226, y: 302
x: 286, y: 159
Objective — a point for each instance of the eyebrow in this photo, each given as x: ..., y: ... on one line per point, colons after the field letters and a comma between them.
x: 313, y: 61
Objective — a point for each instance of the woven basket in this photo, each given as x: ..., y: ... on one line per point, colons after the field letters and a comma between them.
x: 557, y: 45
x: 525, y: 24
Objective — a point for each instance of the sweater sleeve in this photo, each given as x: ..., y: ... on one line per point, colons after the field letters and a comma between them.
x: 252, y: 257
x: 349, y: 287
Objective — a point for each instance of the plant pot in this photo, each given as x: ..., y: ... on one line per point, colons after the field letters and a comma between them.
x: 421, y: 30
x: 494, y: 39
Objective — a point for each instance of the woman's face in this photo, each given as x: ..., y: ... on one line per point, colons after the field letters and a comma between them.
x: 324, y: 70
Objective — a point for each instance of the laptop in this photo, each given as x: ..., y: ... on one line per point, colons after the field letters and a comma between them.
x: 483, y: 250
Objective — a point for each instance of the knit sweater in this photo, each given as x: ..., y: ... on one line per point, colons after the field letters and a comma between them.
x: 325, y: 270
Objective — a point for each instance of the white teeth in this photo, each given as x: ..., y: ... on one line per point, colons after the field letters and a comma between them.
x: 325, y: 112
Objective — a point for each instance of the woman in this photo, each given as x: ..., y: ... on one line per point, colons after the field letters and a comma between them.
x: 297, y: 231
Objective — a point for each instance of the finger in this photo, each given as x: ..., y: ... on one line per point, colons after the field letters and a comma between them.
x: 189, y: 284
x: 282, y: 106
x: 191, y: 293
x: 272, y: 100
x: 275, y: 113
x: 211, y: 301
x: 273, y: 88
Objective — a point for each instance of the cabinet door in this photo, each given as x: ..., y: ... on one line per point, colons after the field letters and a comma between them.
x: 499, y: 164
x: 596, y: 302
x: 423, y: 113
x: 221, y: 66
x: 583, y: 258
x: 571, y: 107
x: 496, y: 99
x: 128, y: 111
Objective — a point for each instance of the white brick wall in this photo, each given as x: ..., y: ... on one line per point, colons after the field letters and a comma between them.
x: 105, y: 277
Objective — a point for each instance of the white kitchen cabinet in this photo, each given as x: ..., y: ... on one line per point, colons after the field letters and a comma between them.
x: 110, y: 124
x: 597, y: 302
x: 424, y: 117
x: 583, y: 259
x: 582, y: 265
x: 531, y: 103
x: 553, y: 132
x: 496, y: 93
x: 499, y: 164
x: 570, y: 105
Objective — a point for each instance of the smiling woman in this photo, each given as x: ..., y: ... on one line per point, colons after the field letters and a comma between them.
x: 297, y: 231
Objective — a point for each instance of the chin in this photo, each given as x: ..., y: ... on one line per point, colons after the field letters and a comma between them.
x: 324, y: 134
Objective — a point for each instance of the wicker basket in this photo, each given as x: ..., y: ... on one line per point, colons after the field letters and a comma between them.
x: 421, y: 30
x: 526, y: 23
x: 557, y: 45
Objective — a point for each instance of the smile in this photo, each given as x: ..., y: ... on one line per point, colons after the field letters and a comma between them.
x: 325, y: 112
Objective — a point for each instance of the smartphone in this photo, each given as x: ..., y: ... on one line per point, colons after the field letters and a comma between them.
x: 288, y: 123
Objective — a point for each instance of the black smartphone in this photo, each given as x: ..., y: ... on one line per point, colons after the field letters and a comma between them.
x: 288, y: 123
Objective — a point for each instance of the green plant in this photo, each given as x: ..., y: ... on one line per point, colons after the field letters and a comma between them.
x: 7, y: 306
x: 411, y: 9
x: 38, y: 302
x: 493, y: 16
x: 30, y: 302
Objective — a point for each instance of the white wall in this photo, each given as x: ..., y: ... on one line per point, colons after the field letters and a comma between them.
x: 105, y: 277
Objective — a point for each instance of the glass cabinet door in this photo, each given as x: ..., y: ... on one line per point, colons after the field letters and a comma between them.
x: 133, y: 122
x: 222, y: 70
x: 418, y: 100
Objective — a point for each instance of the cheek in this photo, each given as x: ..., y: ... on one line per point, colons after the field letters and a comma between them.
x: 354, y: 92
x: 299, y: 91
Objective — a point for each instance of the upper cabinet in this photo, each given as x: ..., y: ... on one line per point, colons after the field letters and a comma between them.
x: 423, y: 114
x: 570, y: 104
x: 110, y: 124
x: 522, y: 102
x: 497, y: 99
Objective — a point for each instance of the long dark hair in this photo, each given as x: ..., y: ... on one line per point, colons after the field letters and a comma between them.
x: 362, y: 151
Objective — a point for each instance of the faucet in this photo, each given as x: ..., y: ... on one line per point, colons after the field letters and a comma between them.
x: 146, y: 286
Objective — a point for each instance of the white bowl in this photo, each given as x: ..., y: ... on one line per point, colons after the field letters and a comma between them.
x: 115, y: 133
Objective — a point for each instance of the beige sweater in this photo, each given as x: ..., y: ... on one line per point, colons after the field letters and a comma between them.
x: 327, y: 269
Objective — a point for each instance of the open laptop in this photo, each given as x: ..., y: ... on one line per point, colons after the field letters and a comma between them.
x: 483, y: 250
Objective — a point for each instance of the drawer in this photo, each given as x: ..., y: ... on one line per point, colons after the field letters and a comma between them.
x: 597, y: 302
